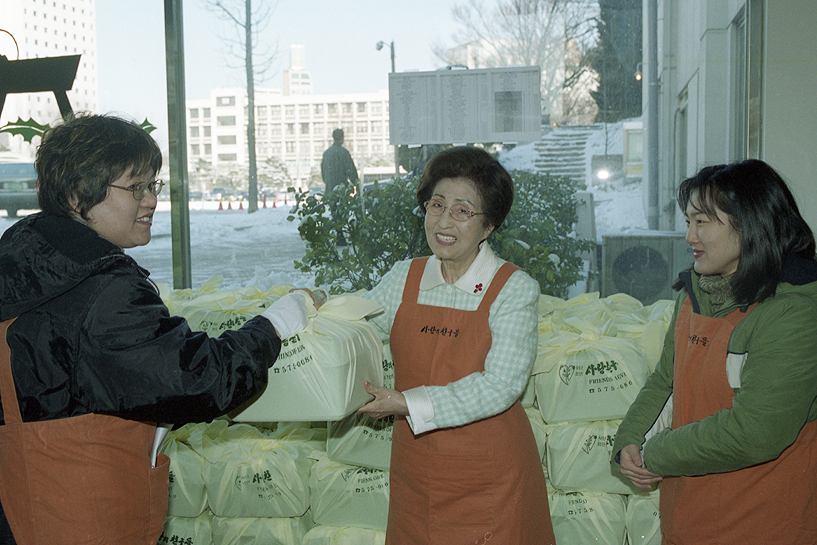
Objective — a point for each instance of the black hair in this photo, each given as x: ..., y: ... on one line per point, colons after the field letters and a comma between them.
x: 80, y: 157
x: 763, y: 212
x: 491, y: 180
x: 337, y: 135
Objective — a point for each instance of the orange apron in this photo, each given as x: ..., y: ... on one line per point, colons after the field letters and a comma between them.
x: 773, y: 502
x: 474, y: 484
x: 79, y: 480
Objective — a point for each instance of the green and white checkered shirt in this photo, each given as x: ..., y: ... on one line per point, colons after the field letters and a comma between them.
x: 513, y: 322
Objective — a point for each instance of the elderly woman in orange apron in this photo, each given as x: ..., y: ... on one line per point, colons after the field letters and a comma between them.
x: 91, y: 360
x: 739, y: 464
x: 462, y: 327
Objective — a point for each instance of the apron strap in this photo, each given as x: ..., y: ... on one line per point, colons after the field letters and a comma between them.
x: 412, y: 288
x: 8, y: 394
x: 497, y: 283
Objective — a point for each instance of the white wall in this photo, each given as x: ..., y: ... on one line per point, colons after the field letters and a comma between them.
x: 695, y: 61
x: 790, y: 98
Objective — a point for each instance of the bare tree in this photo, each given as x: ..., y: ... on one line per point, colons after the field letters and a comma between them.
x: 249, y: 25
x: 552, y: 34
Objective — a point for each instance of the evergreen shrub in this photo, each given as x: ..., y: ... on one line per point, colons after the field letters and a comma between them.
x: 383, y: 225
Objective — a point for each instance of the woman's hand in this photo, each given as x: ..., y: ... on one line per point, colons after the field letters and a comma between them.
x: 632, y: 467
x: 386, y: 402
x: 317, y: 300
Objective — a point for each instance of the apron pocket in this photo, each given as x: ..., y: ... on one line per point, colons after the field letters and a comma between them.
x: 461, y: 491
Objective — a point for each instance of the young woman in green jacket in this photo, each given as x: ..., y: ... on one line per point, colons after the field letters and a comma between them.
x: 739, y: 462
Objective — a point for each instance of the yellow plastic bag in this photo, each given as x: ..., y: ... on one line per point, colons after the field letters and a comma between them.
x: 643, y: 521
x: 187, y: 495
x: 345, y: 495
x: 331, y: 535
x: 252, y: 473
x: 262, y: 530
x: 580, y: 377
x: 578, y: 457
x: 188, y: 530
x: 587, y: 517
x: 360, y: 440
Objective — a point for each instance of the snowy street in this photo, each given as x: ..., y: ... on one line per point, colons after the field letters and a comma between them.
x: 247, y: 249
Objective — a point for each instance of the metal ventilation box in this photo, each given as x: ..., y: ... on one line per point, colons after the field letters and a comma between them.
x: 644, y: 264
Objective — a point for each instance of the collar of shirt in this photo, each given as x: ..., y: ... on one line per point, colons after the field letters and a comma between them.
x: 476, y: 279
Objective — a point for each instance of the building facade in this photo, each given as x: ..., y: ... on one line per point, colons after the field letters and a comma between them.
x: 295, y: 129
x: 734, y: 79
x: 48, y: 28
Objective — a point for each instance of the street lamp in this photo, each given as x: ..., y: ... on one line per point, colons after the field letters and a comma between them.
x: 379, y: 46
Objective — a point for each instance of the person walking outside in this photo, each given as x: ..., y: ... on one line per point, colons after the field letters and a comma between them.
x: 338, y: 170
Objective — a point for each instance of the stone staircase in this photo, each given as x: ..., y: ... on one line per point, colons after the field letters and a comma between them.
x: 562, y: 151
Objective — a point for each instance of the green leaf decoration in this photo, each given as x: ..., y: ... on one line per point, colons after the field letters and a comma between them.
x: 27, y: 129
x: 147, y: 126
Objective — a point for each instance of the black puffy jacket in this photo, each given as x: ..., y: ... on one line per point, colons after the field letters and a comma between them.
x: 92, y: 334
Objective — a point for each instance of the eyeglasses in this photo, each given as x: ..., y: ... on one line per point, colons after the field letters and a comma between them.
x: 140, y: 190
x: 459, y: 212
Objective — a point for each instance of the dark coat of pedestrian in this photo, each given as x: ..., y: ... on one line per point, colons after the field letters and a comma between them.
x: 337, y: 166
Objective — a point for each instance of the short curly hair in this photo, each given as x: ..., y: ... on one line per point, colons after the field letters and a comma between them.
x: 81, y: 156
x: 491, y: 180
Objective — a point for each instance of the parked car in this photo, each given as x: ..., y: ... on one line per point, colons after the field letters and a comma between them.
x: 18, y: 188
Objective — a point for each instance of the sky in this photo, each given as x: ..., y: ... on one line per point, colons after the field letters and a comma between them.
x: 339, y: 39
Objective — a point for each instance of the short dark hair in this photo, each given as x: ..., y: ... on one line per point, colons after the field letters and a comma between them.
x: 81, y: 156
x: 492, y: 181
x: 337, y: 135
x: 763, y: 212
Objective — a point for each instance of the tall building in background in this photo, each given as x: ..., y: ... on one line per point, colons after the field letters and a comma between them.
x: 48, y: 29
x: 297, y: 80
x: 293, y: 128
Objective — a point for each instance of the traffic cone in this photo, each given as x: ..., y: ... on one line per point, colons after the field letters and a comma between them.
x: 264, y: 200
x: 274, y: 202
x: 230, y: 203
x: 241, y: 203
x: 220, y: 206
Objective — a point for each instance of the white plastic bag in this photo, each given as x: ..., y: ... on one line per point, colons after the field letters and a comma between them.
x: 320, y: 371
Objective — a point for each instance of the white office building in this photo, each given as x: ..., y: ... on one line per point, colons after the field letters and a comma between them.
x: 294, y: 128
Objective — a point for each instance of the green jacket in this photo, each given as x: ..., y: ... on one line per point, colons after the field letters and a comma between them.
x: 777, y: 393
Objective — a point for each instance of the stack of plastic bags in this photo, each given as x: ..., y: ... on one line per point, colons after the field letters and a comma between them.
x: 260, y: 477
x: 594, y: 356
x: 250, y: 478
x: 253, y: 483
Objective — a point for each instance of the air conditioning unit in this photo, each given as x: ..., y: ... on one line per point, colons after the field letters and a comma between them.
x: 644, y: 264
